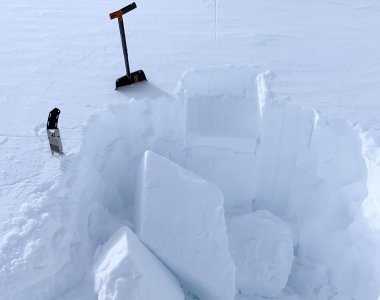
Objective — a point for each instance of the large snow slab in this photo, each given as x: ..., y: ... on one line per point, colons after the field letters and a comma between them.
x: 180, y: 217
x: 262, y: 248
x: 126, y: 269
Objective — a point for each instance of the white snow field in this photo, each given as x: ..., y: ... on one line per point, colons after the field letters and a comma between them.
x: 276, y: 112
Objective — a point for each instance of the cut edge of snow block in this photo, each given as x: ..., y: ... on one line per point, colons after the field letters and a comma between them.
x: 180, y: 217
x: 126, y: 269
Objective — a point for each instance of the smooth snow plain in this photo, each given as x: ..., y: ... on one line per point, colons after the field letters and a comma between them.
x: 305, y: 181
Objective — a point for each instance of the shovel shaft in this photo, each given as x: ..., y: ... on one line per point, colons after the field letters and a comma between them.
x: 124, y: 45
x: 136, y: 76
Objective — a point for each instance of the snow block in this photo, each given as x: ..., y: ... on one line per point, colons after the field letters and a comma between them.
x: 126, y: 269
x: 180, y: 217
x: 262, y: 248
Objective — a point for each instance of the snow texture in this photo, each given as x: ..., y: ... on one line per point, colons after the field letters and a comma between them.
x: 262, y: 248
x: 126, y: 269
x: 180, y: 217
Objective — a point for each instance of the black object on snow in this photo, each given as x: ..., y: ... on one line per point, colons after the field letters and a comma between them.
x: 52, y: 122
x: 53, y: 133
x: 133, y: 77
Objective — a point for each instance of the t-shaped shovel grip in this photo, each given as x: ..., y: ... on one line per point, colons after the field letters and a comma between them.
x: 119, y: 14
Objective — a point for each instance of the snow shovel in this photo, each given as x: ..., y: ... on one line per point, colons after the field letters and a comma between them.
x: 133, y: 77
x: 53, y: 132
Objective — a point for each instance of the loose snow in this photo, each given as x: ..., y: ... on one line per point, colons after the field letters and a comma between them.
x: 180, y: 217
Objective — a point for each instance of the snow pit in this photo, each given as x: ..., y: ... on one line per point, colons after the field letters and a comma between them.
x: 262, y: 248
x: 180, y: 217
x: 318, y: 175
x: 126, y: 269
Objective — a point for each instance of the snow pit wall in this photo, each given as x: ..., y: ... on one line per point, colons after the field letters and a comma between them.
x: 312, y: 173
x: 222, y: 128
x: 305, y: 168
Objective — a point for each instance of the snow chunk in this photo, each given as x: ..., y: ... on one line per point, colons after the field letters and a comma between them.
x: 126, y: 269
x: 262, y: 248
x: 180, y: 217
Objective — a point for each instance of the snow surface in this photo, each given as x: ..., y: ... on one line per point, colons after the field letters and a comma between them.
x: 180, y: 217
x: 318, y: 172
x: 126, y: 269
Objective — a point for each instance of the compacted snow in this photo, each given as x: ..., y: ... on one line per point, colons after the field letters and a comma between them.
x: 262, y: 248
x: 259, y: 138
x: 181, y: 218
x: 125, y: 269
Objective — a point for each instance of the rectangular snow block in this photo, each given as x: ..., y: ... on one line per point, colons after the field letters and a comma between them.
x: 126, y: 269
x: 180, y: 217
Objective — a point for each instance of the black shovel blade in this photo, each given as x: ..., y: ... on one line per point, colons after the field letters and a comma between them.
x: 134, y: 78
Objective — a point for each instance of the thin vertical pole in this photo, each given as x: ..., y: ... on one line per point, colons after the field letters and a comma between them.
x: 124, y: 45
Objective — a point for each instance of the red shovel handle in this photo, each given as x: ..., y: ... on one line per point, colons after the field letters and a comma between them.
x: 119, y: 14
